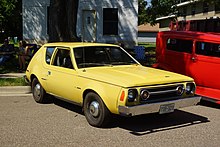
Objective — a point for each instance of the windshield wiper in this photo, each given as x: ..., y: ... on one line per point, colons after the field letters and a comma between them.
x: 122, y: 63
x: 81, y: 65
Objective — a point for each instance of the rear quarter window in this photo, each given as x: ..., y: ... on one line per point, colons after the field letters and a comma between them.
x: 208, y: 49
x: 49, y: 53
x: 179, y: 45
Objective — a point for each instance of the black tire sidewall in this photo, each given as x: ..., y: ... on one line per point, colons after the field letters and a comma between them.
x: 42, y: 93
x: 104, y: 114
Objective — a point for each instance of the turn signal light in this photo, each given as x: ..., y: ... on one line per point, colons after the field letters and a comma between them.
x: 122, y: 96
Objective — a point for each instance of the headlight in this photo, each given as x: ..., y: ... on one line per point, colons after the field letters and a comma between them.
x: 190, y: 88
x: 144, y: 94
x: 132, y: 95
x: 179, y: 90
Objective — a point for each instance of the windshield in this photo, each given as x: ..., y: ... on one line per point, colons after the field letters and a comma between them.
x: 101, y: 56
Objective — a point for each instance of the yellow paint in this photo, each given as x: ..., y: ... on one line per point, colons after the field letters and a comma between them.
x: 107, y: 81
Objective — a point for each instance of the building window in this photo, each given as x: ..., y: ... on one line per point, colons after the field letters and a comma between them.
x: 193, y: 9
x: 184, y: 11
x: 205, y: 7
x: 217, y: 8
x: 48, y: 19
x: 110, y: 21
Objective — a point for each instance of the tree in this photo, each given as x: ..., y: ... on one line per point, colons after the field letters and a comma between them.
x: 160, y: 8
x: 10, y: 18
x: 6, y: 9
x: 142, y: 15
x: 62, y: 20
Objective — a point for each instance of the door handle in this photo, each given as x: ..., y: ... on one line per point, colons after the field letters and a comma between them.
x: 194, y: 59
x: 49, y: 72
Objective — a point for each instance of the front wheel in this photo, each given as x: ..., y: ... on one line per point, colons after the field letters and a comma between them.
x: 96, y: 113
x: 38, y: 91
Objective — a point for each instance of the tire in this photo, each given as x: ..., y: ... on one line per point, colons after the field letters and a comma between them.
x: 96, y: 113
x: 38, y: 91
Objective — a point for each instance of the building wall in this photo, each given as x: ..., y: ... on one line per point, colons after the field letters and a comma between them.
x: 35, y: 20
x: 199, y: 12
x: 199, y: 15
x: 128, y: 19
x: 34, y: 14
x: 148, y: 37
x: 164, y: 24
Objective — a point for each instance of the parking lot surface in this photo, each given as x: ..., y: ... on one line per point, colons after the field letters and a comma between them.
x: 26, y: 123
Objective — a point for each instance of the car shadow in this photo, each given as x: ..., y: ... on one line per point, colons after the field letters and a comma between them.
x: 145, y: 124
x: 68, y: 106
x: 209, y: 104
x: 152, y: 123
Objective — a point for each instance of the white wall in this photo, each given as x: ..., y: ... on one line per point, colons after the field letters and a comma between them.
x: 35, y: 20
x: 128, y: 20
x: 148, y: 37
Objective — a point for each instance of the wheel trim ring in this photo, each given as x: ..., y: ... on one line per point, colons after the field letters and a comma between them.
x: 37, y: 89
x: 94, y: 109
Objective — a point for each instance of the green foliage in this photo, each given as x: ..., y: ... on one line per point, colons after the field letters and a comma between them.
x: 6, y: 9
x: 10, y: 18
x: 142, y: 15
x: 160, y: 8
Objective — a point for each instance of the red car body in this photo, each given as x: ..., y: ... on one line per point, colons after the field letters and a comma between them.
x: 194, y: 54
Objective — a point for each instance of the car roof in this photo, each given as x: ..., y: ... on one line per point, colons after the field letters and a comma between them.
x: 193, y: 34
x: 78, y: 44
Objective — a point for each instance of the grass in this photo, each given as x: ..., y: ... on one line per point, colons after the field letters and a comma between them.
x: 12, y: 82
x: 150, y: 47
x: 11, y: 67
x: 11, y: 42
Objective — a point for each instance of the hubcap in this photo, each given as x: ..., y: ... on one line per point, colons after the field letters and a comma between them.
x: 94, y: 108
x: 37, y: 90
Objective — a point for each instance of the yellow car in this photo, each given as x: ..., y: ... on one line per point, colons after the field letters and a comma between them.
x: 104, y: 79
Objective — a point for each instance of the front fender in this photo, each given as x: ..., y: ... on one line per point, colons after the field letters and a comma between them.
x: 108, y: 93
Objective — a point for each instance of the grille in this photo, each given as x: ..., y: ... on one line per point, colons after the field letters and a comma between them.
x: 162, y: 93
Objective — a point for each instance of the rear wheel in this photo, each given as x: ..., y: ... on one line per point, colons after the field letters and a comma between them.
x: 38, y: 91
x: 96, y: 113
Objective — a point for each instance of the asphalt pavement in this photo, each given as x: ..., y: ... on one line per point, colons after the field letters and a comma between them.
x: 24, y: 122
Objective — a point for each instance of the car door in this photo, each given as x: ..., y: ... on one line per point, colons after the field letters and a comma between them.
x: 61, y: 75
x: 205, y: 64
x: 178, y: 54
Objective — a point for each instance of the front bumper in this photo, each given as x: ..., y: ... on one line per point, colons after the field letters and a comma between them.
x: 155, y: 107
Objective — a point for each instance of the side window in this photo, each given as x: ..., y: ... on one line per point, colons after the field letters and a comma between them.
x: 63, y: 59
x: 180, y: 45
x: 208, y: 49
x: 49, y: 53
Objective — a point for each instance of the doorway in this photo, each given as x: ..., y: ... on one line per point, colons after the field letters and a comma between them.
x: 89, y: 26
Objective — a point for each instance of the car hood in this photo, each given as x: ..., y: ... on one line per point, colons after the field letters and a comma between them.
x: 132, y: 75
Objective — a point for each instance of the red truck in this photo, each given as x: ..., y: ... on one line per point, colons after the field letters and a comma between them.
x: 194, y: 54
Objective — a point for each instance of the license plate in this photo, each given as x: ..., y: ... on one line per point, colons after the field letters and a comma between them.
x: 168, y: 108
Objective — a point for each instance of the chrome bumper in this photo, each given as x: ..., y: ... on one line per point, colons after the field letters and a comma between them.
x: 155, y: 107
